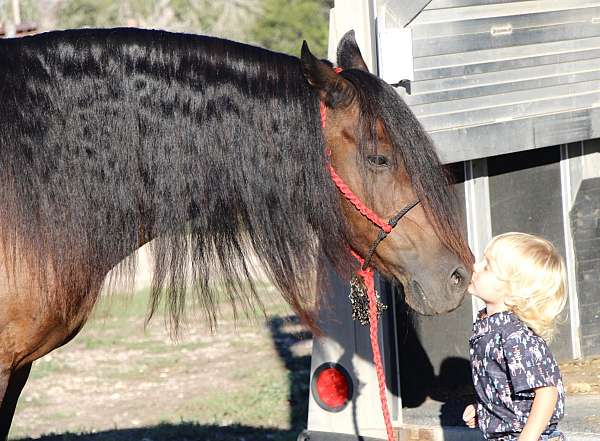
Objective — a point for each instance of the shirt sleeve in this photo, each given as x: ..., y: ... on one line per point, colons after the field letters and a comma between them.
x: 530, y: 363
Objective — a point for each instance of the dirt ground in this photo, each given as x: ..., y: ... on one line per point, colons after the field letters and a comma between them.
x: 117, y: 381
x: 582, y: 376
x: 248, y: 381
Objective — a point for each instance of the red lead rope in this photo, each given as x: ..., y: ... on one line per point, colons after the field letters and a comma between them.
x: 368, y: 276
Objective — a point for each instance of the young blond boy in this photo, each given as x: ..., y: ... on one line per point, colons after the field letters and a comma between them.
x: 520, y: 394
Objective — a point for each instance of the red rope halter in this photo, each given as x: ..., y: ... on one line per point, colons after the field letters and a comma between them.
x: 358, y: 204
x: 368, y: 276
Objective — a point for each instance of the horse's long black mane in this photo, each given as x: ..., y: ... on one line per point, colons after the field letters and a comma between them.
x: 110, y: 138
x: 113, y: 137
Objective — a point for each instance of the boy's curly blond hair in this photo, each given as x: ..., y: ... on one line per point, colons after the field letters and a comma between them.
x: 535, y: 276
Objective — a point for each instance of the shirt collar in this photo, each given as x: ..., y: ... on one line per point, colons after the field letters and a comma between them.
x: 487, y: 324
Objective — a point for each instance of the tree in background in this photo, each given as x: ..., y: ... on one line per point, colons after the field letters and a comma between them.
x: 283, y: 24
x: 279, y: 25
x: 228, y: 19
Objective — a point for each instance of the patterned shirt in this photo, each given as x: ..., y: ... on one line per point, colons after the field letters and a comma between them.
x: 508, y: 360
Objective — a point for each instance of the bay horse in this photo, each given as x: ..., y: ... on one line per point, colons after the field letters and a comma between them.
x: 112, y: 138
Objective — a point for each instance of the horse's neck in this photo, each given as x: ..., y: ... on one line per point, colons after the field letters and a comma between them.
x: 164, y: 128
x: 228, y: 122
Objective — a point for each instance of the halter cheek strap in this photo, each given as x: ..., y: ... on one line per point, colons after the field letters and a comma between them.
x: 366, y: 273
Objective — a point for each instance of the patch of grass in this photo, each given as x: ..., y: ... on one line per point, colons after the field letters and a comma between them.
x: 45, y: 367
x: 226, y: 385
x: 129, y: 311
x: 32, y: 401
x: 121, y: 306
x: 98, y: 343
x: 188, y: 346
x: 262, y: 402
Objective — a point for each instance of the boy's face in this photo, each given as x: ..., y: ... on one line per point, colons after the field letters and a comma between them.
x: 485, y: 283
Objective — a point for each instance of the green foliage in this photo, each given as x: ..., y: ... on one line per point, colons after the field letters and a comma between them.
x: 279, y: 25
x: 29, y: 11
x: 283, y: 25
x: 227, y: 19
x: 90, y: 13
x: 194, y: 14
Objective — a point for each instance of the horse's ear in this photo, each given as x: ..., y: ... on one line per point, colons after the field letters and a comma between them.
x: 348, y: 53
x: 333, y: 90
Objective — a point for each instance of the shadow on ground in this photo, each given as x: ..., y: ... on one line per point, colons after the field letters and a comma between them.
x: 179, y: 432
x: 452, y: 386
x: 285, y: 333
x: 297, y: 363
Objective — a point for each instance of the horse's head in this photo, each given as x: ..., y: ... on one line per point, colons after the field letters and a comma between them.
x: 382, y: 153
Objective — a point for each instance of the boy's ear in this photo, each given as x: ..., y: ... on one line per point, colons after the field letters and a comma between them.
x: 332, y: 88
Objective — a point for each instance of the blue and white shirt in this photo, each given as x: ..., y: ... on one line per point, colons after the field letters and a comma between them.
x: 508, y: 360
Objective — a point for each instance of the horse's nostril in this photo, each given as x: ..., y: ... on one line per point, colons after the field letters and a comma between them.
x: 456, y: 278
x: 417, y: 289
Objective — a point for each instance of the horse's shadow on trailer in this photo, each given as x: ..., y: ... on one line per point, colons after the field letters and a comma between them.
x: 420, y: 386
x: 285, y: 336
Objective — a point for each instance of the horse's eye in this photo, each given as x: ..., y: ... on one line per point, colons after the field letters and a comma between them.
x: 378, y: 160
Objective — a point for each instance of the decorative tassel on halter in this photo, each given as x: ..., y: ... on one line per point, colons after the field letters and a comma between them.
x: 359, y: 300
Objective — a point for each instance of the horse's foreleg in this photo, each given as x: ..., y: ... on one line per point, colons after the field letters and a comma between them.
x: 13, y: 384
x: 31, y: 326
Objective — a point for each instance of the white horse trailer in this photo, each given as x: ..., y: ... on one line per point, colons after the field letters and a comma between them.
x: 509, y: 91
